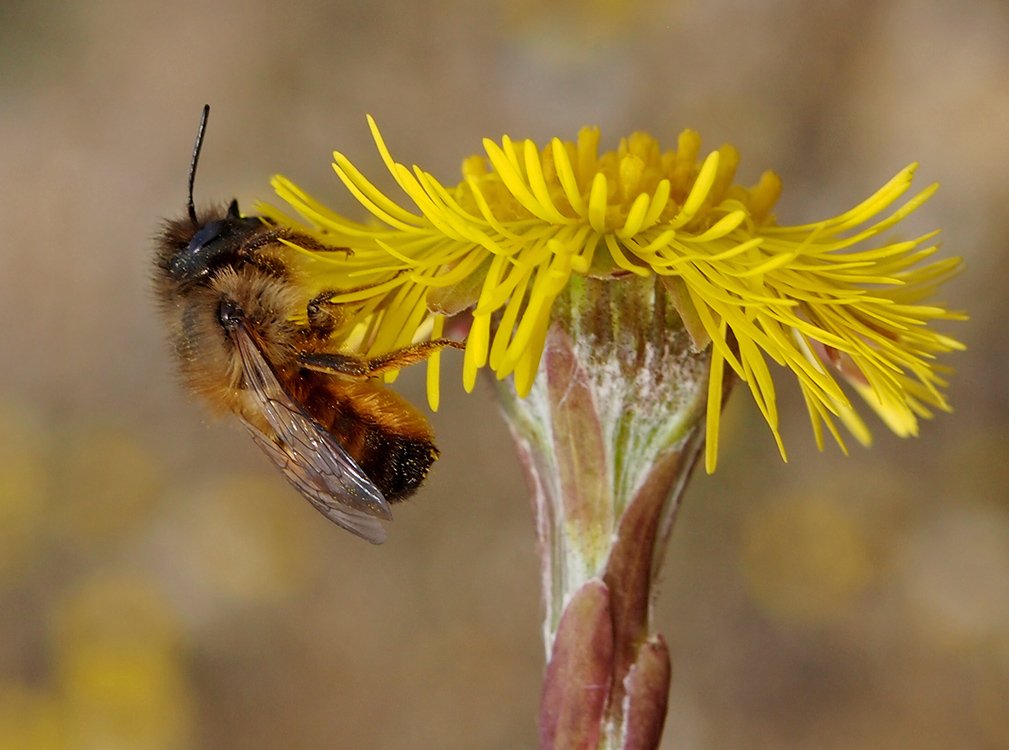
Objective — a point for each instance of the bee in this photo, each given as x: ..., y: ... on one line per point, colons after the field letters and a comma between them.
x: 348, y: 444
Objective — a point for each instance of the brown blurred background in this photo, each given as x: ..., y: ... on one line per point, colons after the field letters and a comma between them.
x: 161, y: 587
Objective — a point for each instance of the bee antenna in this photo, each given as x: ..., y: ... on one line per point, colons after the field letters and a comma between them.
x: 196, y: 158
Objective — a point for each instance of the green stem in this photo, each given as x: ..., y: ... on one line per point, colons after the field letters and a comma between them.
x: 608, y: 437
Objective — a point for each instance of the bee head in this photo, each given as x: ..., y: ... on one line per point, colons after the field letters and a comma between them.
x: 195, y: 250
x: 192, y: 248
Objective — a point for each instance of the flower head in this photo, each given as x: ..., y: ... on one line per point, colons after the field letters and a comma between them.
x: 822, y: 299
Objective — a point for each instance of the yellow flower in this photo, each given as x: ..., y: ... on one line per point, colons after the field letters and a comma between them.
x: 821, y: 299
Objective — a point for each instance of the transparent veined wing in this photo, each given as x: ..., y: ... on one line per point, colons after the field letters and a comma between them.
x: 307, y: 454
x: 365, y: 526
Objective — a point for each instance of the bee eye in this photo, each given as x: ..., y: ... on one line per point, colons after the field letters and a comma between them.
x: 229, y: 314
x: 205, y: 235
x: 200, y: 257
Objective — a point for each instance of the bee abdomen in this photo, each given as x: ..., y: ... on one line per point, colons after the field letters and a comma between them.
x: 384, y: 434
x: 395, y: 463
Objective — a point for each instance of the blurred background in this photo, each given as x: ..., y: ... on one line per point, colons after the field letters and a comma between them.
x: 161, y: 587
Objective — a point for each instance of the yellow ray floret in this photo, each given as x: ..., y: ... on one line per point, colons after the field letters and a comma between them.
x: 833, y: 297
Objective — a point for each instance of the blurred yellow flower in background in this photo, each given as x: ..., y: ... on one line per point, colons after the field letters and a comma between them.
x: 820, y: 299
x: 806, y: 557
x: 120, y: 667
x: 30, y: 718
x: 25, y: 498
x: 232, y: 542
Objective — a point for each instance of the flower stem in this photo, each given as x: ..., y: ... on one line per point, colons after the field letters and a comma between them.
x: 608, y: 437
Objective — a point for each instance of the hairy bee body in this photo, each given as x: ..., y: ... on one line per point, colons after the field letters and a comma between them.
x: 384, y: 434
x: 250, y: 343
x: 208, y: 360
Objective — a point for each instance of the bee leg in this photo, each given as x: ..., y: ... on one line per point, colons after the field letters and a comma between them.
x: 296, y: 238
x: 325, y: 315
x: 358, y: 367
x: 327, y: 296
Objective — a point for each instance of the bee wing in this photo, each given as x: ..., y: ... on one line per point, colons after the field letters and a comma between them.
x: 365, y: 526
x: 307, y: 454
